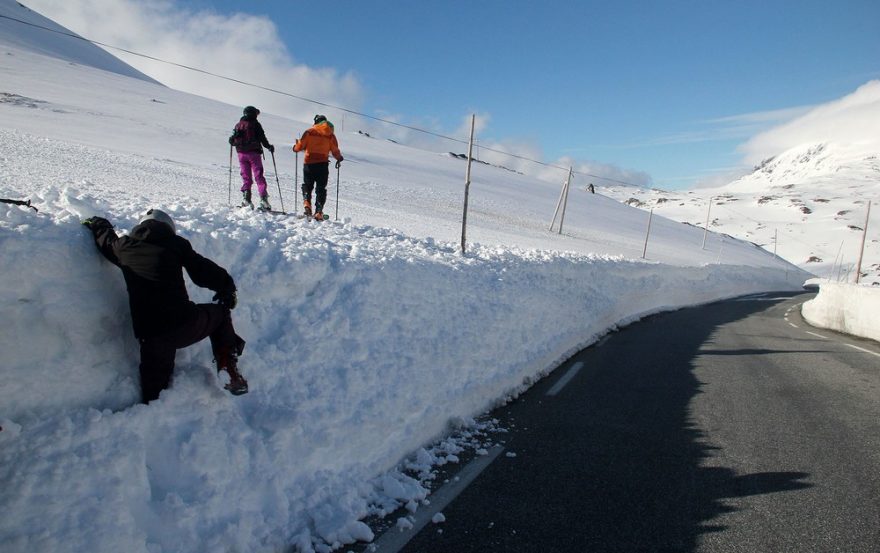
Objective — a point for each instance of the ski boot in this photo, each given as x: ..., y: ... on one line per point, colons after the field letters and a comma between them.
x: 227, y: 360
x: 307, y: 208
x: 264, y: 203
x: 246, y: 199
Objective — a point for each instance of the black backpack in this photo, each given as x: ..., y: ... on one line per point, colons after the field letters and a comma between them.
x: 244, y: 136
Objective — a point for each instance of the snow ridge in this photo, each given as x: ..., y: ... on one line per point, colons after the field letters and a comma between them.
x: 361, y: 347
x: 18, y: 28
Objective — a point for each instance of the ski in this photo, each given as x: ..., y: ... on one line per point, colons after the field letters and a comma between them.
x: 286, y: 213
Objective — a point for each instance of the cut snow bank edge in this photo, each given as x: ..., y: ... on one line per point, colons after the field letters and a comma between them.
x: 847, y: 308
x: 363, y: 344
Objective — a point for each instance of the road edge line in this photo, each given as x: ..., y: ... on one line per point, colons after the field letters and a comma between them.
x: 393, y: 540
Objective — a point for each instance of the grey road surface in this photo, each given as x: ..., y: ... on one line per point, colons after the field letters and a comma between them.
x: 731, y: 427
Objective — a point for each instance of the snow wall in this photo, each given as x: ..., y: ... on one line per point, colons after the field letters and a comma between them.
x: 363, y: 345
x: 848, y: 308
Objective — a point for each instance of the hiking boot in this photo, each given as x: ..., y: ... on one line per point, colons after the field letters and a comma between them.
x: 227, y: 360
x: 307, y: 208
x: 319, y: 216
x: 237, y: 384
x: 246, y: 199
x: 264, y: 202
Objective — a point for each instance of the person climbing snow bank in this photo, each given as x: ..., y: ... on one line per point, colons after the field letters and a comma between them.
x: 152, y: 258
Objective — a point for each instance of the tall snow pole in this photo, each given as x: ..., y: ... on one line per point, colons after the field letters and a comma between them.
x: 467, y: 182
x: 565, y: 198
x: 706, y: 230
x: 558, y: 205
x: 647, y: 234
x: 862, y: 249
x: 836, y: 257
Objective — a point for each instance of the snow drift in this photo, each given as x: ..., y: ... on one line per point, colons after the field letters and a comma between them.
x: 847, y: 308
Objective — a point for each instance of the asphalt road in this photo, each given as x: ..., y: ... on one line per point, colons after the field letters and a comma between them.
x: 725, y: 428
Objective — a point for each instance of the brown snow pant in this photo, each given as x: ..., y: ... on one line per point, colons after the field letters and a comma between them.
x: 158, y: 352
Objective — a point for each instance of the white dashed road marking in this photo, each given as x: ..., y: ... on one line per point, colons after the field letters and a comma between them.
x: 566, y: 378
x: 863, y: 349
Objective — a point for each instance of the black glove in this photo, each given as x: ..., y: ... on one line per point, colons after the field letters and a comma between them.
x: 231, y: 140
x: 271, y: 148
x: 95, y: 223
x: 338, y: 163
x: 227, y: 298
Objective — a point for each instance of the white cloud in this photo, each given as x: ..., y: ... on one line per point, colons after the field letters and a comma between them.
x: 852, y: 121
x: 762, y: 117
x: 248, y: 48
x: 481, y: 123
x: 732, y: 127
x: 605, y: 174
x: 241, y: 46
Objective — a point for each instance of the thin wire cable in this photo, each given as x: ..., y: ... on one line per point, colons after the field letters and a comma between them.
x: 316, y: 102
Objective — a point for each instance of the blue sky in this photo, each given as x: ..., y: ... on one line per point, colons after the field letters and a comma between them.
x: 669, y: 89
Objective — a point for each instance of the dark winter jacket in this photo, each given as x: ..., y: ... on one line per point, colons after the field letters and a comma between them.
x: 151, y: 258
x: 248, y: 135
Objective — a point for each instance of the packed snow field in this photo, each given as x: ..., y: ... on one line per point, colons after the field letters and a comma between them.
x: 369, y: 338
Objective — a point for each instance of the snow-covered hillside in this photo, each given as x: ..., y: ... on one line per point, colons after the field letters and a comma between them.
x: 368, y: 337
x: 809, y: 204
x: 809, y: 201
x: 19, y: 28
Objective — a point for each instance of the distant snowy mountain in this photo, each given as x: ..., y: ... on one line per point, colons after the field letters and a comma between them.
x: 20, y: 26
x: 829, y: 165
x: 809, y: 204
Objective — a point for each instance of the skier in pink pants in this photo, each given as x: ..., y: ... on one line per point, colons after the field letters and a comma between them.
x: 251, y: 165
x: 249, y: 138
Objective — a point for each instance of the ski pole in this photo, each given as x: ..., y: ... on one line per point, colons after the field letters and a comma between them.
x: 277, y: 181
x: 27, y: 203
x: 230, y: 174
x: 336, y: 217
x: 296, y: 184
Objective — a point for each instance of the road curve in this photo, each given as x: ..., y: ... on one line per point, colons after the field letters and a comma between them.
x: 730, y: 427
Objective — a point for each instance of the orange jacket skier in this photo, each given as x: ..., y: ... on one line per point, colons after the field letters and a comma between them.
x: 318, y: 142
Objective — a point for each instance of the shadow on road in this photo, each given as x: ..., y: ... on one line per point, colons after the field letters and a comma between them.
x: 613, y: 462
